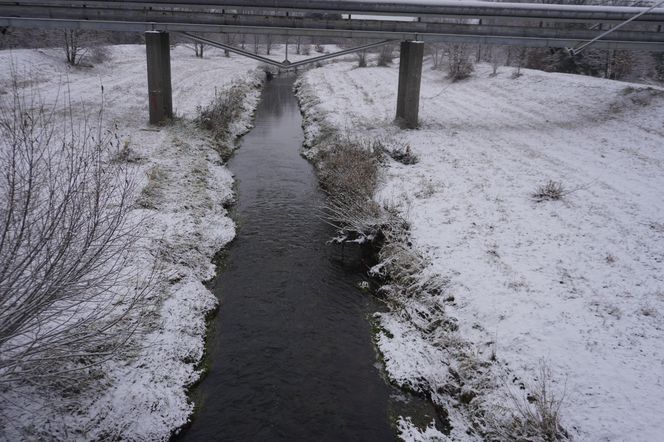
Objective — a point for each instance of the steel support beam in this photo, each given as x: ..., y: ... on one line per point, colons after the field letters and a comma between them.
x: 281, y: 65
x: 410, y: 77
x: 159, y: 76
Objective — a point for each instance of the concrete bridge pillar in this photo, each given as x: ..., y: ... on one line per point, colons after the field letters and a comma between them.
x: 159, y: 76
x: 410, y: 76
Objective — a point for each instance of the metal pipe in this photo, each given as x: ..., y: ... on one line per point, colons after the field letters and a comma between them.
x: 610, y: 31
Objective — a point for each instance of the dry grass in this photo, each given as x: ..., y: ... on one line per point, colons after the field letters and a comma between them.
x: 348, y: 172
x: 348, y: 168
x: 217, y: 117
x: 531, y: 413
x: 551, y: 191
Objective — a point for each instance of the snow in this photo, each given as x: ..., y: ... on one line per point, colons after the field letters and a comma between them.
x: 575, y: 284
x: 408, y: 432
x: 183, y: 223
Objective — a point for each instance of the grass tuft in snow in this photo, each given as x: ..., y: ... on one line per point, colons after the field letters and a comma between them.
x: 395, y: 149
x: 532, y: 413
x: 551, y: 191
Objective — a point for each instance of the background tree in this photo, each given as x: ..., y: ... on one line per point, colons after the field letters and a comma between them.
x: 72, y: 46
x: 459, y: 64
x: 199, y: 49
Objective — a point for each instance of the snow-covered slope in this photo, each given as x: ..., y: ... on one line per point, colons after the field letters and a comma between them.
x: 185, y: 187
x: 575, y: 284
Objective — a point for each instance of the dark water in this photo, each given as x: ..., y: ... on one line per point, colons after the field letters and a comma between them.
x: 290, y: 350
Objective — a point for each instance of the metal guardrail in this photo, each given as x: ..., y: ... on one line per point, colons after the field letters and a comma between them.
x: 449, y: 8
x: 430, y: 20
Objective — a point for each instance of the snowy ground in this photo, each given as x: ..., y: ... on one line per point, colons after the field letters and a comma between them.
x: 184, y: 188
x: 575, y: 284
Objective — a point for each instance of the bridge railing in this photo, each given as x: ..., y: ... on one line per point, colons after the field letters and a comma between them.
x: 434, y: 21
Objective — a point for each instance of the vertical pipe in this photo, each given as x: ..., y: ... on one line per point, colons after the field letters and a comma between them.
x: 410, y: 76
x: 159, y: 76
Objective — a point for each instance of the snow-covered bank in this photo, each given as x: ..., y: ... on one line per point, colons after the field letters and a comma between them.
x: 184, y: 188
x: 575, y: 285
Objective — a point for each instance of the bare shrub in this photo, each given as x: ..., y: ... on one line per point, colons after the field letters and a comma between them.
x: 84, y: 46
x: 532, y: 412
x: 199, y: 49
x: 386, y: 55
x: 73, y: 46
x: 459, y: 64
x: 361, y: 59
x: 496, y: 56
x: 99, y: 54
x: 552, y: 190
x: 518, y: 57
x: 437, y: 51
x: 67, y: 297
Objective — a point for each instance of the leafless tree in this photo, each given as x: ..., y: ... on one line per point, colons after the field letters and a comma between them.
x: 268, y: 43
x: 199, y: 49
x: 298, y: 44
x: 436, y: 50
x: 74, y: 51
x: 386, y: 55
x: 256, y: 43
x: 80, y: 45
x: 361, y: 58
x: 229, y: 39
x: 67, y: 296
x: 518, y: 56
x: 459, y: 64
x: 496, y: 55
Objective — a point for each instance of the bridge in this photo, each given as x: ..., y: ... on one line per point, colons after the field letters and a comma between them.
x: 410, y: 22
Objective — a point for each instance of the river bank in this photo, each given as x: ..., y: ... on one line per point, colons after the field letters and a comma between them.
x: 182, y: 194
x: 542, y: 295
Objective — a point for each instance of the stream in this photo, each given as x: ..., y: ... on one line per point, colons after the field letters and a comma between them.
x: 290, y: 354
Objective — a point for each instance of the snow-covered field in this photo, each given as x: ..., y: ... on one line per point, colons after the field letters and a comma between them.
x: 183, y: 190
x: 575, y: 285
